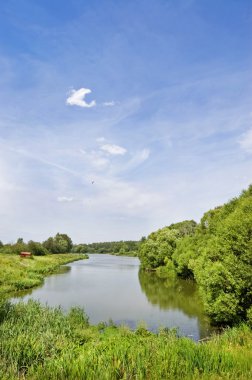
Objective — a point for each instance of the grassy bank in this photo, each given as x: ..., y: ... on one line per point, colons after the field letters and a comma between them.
x: 43, y: 343
x: 23, y: 273
x: 127, y: 254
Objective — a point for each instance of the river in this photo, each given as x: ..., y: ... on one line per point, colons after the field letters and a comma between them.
x: 113, y: 287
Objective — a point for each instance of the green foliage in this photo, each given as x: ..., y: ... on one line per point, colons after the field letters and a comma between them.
x: 217, y: 253
x: 18, y: 274
x: 168, y: 270
x: 41, y: 343
x: 249, y: 316
x: 161, y: 245
x: 61, y: 243
x: 36, y: 249
x: 223, y: 266
x: 127, y: 248
x: 80, y: 248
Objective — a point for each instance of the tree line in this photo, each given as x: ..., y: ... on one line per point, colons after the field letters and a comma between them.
x: 62, y: 243
x: 128, y: 247
x: 216, y: 253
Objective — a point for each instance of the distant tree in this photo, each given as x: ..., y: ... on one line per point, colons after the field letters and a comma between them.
x: 61, y: 243
x: 49, y: 244
x: 79, y: 248
x: 36, y: 248
x: 17, y: 248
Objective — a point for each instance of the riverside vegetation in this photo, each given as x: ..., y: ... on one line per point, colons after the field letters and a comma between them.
x: 19, y: 274
x: 38, y: 342
x: 216, y: 253
x: 44, y: 343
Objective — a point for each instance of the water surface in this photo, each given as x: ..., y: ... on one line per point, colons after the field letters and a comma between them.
x: 112, y: 287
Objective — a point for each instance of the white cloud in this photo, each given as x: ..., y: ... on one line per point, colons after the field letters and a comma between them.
x: 109, y: 104
x: 113, y: 149
x: 77, y: 98
x: 65, y: 199
x: 246, y: 141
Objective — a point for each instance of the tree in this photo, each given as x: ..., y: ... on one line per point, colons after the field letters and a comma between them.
x: 160, y: 245
x: 61, y: 243
x: 37, y: 249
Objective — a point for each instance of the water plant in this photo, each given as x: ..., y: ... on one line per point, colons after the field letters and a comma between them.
x: 38, y: 342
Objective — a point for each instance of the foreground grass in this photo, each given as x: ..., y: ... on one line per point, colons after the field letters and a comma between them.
x: 23, y: 273
x: 42, y: 343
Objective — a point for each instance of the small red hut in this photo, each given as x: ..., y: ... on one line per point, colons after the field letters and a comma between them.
x: 25, y: 254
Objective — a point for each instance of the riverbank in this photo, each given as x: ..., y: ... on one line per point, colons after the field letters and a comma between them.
x: 38, y: 342
x: 126, y: 254
x: 24, y: 273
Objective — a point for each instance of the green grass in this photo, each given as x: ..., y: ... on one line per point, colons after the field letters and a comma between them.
x: 18, y: 273
x: 42, y: 343
x: 128, y: 253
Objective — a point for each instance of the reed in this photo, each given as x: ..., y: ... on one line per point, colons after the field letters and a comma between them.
x: 38, y: 342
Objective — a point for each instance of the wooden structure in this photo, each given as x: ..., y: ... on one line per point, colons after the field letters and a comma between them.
x: 25, y: 254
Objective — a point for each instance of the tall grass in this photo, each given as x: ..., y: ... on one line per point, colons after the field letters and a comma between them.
x: 39, y: 343
x: 18, y: 273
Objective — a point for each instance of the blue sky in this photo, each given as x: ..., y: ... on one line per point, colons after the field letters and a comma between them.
x: 120, y: 117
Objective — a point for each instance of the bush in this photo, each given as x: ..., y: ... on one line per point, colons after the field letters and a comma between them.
x: 37, y: 249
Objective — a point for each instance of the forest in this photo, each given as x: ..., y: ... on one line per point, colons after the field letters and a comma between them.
x: 216, y: 253
x: 128, y: 248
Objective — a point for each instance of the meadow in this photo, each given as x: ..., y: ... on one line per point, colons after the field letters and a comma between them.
x: 18, y: 273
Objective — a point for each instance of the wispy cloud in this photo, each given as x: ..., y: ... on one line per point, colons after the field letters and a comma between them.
x: 109, y: 104
x: 137, y: 159
x: 77, y: 98
x: 246, y: 141
x: 113, y: 149
x: 40, y: 159
x: 65, y: 199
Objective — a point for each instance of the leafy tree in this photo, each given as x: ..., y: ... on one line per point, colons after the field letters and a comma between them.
x: 217, y: 253
x: 49, y: 244
x: 223, y: 266
x: 80, y: 248
x: 36, y: 248
x: 160, y: 245
x: 61, y: 243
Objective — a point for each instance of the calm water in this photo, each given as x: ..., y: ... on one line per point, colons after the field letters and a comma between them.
x: 112, y: 287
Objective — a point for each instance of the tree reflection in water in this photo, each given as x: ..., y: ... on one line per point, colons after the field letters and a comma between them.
x: 175, y: 294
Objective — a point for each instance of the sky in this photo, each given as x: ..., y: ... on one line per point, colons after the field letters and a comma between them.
x: 118, y: 118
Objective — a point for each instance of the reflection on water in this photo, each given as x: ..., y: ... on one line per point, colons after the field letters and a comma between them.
x: 175, y: 294
x: 112, y: 287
